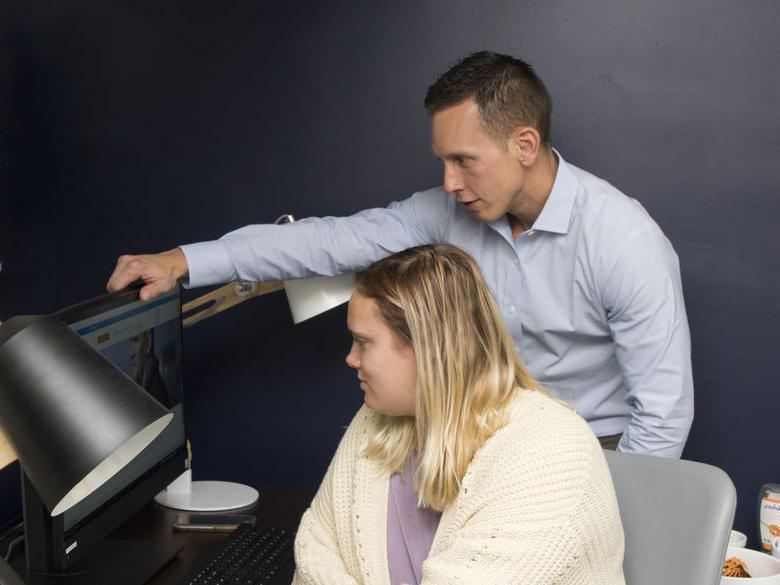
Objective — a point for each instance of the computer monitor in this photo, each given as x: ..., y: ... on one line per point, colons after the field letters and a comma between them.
x: 143, y: 339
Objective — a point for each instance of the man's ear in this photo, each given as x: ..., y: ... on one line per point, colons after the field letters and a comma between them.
x: 524, y: 143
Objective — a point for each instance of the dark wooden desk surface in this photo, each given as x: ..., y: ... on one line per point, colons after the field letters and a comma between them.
x: 279, y: 507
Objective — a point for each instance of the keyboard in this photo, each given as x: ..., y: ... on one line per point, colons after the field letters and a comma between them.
x: 249, y: 556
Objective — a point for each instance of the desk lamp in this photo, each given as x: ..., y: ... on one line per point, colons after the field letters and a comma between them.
x: 307, y: 298
x: 72, y: 418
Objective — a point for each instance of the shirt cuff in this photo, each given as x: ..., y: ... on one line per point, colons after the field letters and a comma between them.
x: 208, y: 263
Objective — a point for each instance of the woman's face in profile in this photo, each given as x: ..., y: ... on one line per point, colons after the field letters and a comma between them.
x: 385, y: 364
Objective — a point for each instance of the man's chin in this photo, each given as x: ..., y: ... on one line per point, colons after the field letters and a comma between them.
x: 486, y: 217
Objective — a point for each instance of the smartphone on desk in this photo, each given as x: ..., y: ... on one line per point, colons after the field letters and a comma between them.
x: 211, y: 522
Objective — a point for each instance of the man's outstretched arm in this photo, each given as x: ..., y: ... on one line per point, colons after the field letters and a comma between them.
x: 310, y: 247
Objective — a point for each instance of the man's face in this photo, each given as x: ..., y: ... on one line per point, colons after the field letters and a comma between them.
x: 485, y: 176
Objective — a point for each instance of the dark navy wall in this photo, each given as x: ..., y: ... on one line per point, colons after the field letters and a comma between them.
x: 131, y: 126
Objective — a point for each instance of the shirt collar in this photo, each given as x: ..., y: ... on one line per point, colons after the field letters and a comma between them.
x: 556, y: 214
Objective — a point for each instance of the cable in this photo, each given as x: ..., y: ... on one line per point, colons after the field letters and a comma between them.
x: 11, y: 546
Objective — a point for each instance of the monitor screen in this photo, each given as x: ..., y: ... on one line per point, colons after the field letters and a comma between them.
x: 143, y: 339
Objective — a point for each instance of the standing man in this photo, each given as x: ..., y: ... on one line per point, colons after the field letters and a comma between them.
x: 587, y: 282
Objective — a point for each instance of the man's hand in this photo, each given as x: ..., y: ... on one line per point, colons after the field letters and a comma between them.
x: 159, y: 271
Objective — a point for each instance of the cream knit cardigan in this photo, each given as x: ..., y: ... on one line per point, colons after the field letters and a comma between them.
x: 536, y: 506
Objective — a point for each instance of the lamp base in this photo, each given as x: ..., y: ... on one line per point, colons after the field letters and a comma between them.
x: 206, y: 496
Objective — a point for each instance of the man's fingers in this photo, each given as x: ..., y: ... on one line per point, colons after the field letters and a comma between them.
x: 122, y: 275
x: 155, y: 288
x: 131, y: 268
x: 158, y: 271
x: 148, y: 292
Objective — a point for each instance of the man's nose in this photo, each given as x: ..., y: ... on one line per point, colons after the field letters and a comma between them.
x: 452, y: 180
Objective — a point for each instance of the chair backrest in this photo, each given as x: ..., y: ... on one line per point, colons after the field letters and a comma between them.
x: 676, y: 516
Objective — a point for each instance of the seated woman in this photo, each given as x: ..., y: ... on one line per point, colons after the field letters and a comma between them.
x: 459, y: 468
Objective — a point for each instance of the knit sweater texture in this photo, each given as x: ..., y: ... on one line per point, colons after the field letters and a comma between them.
x: 536, y: 506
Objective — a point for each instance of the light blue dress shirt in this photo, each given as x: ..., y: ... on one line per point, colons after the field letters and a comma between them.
x: 591, y: 293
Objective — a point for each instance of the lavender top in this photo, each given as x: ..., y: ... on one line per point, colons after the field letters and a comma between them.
x: 410, y: 529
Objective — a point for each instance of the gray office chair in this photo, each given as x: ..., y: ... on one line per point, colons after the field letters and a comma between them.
x: 676, y: 516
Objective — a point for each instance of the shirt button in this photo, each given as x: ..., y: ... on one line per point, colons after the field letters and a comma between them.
x: 511, y: 309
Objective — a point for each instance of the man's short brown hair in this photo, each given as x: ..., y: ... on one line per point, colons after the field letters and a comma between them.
x: 507, y: 91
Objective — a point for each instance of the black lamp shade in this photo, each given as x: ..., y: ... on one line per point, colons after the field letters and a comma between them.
x: 73, y: 418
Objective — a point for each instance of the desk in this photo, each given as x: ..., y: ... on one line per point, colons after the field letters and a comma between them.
x: 152, y: 526
x: 280, y: 507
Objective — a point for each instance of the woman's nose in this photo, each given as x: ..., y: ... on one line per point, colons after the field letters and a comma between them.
x: 351, y: 359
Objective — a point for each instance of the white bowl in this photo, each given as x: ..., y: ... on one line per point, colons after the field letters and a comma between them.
x: 737, y: 539
x: 765, y: 570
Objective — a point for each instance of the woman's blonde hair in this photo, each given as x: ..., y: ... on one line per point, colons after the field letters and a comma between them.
x: 435, y: 298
